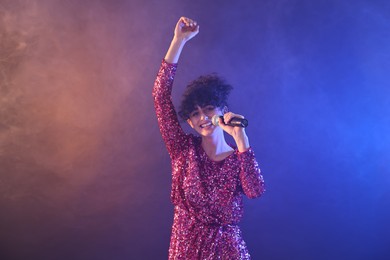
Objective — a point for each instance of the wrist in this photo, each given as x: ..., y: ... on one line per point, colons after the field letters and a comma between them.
x: 242, y: 142
x: 174, y: 50
x: 179, y: 41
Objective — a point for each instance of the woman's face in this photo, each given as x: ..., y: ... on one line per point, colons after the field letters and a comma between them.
x: 200, y: 119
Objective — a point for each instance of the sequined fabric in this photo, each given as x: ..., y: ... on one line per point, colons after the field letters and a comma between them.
x: 207, y: 195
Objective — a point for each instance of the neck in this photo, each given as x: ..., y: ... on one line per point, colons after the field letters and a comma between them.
x: 216, y: 147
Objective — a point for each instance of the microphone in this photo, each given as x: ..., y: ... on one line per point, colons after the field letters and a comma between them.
x: 235, y: 121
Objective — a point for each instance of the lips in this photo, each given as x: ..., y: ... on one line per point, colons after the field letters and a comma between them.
x: 205, y: 125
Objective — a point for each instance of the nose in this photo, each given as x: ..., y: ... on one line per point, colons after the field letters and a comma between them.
x: 203, y: 116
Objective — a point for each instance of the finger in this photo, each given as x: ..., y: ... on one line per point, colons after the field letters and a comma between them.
x: 182, y: 21
x: 193, y: 30
x: 196, y: 29
x: 180, y: 24
x: 227, y: 117
x: 239, y: 116
x: 186, y: 21
x: 226, y: 128
x: 235, y: 115
x: 222, y: 124
x: 230, y: 115
x: 189, y: 24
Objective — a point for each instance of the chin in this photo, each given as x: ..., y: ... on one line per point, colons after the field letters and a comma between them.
x: 207, y: 132
x: 204, y: 132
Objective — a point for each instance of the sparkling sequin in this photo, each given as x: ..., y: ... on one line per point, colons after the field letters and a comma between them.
x: 207, y: 195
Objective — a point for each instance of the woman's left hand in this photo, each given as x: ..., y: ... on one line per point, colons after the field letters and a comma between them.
x: 238, y: 133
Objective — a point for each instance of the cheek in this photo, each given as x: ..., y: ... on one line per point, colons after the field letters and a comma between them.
x: 190, y: 123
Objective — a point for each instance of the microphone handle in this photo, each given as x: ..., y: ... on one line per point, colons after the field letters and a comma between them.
x: 236, y: 121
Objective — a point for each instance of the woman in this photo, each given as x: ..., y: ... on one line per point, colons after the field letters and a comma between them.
x: 208, y: 175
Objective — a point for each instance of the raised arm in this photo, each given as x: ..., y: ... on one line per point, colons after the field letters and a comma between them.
x: 169, y: 125
x: 185, y: 30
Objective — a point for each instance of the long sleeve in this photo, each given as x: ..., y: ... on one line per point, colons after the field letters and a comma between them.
x: 171, y: 131
x: 250, y: 175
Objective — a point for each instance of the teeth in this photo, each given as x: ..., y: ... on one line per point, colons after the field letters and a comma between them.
x: 205, y: 125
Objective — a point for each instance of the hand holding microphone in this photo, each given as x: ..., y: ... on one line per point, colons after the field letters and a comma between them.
x: 234, y: 125
x: 234, y: 121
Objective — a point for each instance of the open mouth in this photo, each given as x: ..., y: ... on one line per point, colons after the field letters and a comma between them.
x: 205, y: 125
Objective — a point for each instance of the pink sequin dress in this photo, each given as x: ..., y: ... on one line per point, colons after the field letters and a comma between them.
x: 207, y: 195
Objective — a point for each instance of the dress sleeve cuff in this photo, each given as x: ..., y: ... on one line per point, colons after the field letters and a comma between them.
x: 248, y: 153
x: 164, y: 62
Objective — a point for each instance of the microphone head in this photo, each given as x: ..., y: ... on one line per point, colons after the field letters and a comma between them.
x: 215, y: 120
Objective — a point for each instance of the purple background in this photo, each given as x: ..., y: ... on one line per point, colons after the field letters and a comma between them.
x: 84, y: 173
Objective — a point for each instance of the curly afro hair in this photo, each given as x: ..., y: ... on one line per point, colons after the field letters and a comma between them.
x: 206, y: 90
